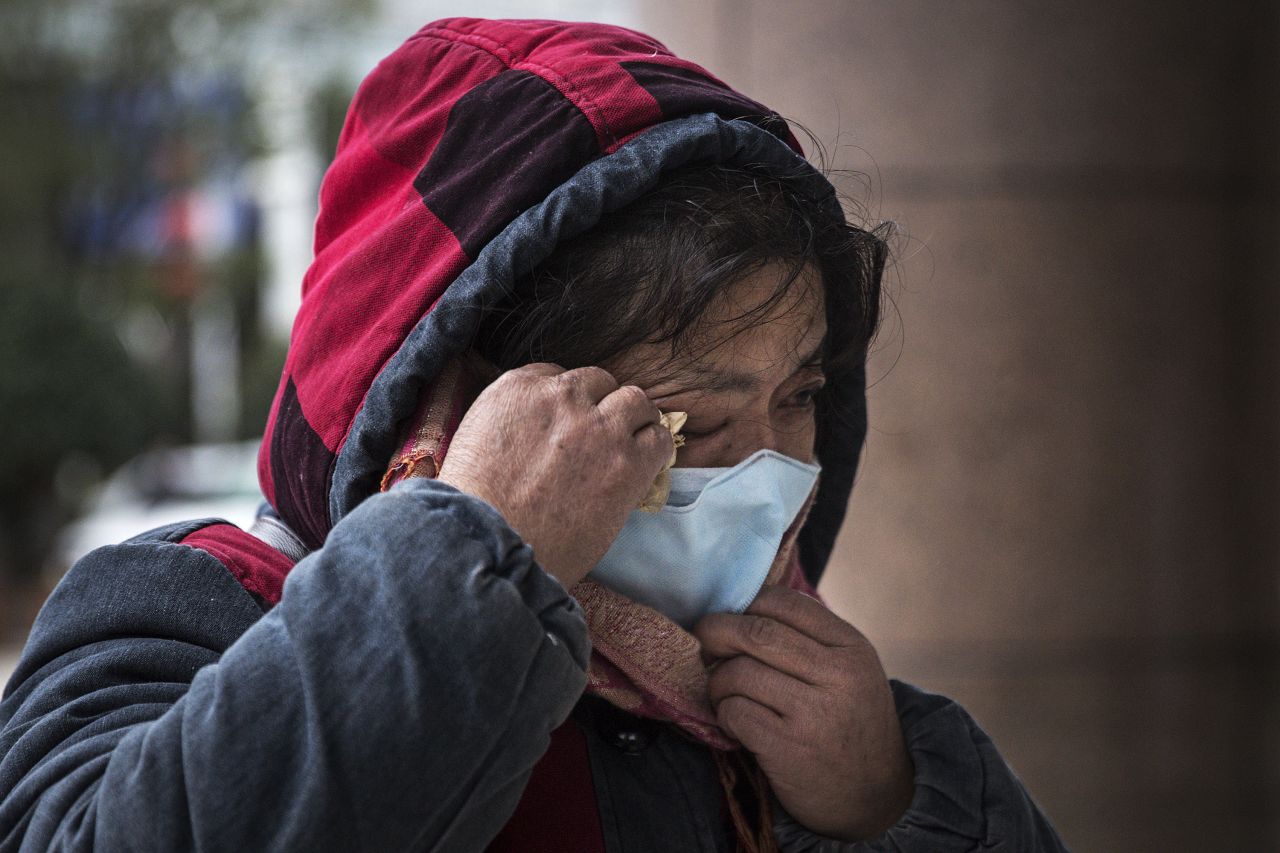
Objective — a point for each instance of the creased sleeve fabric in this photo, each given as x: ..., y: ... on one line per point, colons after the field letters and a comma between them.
x: 396, y: 698
x: 966, y: 797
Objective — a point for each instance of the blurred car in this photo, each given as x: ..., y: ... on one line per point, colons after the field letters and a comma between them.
x: 163, y: 486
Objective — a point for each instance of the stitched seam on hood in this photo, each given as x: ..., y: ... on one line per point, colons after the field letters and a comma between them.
x: 501, y: 52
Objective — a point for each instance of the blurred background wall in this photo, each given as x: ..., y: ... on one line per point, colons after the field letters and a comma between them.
x: 1067, y: 514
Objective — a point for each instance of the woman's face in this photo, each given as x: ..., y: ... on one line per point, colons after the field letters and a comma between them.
x: 756, y: 389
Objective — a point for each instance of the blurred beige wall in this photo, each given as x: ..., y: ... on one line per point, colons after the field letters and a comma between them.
x: 1067, y: 515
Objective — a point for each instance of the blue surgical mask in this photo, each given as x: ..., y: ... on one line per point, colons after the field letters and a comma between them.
x: 709, y: 549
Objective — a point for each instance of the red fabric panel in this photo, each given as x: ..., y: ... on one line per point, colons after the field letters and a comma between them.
x: 260, y: 568
x: 390, y: 269
x: 381, y: 258
x: 397, y: 116
x: 361, y: 190
x: 558, y: 812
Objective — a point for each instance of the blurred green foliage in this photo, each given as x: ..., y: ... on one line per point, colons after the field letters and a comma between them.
x: 69, y: 386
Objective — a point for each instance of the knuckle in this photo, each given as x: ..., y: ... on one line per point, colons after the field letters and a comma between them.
x: 761, y: 631
x: 633, y: 395
x: 735, y: 710
x: 733, y: 671
x: 742, y: 716
x: 832, y: 669
x: 508, y: 379
x: 589, y: 374
x: 535, y: 369
x: 655, y: 439
x: 569, y: 379
x: 520, y: 381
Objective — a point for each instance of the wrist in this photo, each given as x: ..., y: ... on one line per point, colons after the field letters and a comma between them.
x: 878, y: 812
x: 548, y: 562
x: 890, y: 810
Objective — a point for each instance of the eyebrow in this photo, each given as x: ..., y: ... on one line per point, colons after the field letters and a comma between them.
x: 721, y: 383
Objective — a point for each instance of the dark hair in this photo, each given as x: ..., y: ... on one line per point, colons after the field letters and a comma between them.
x: 648, y: 271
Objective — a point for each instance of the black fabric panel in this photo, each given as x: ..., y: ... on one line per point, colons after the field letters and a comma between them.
x: 644, y: 768
x: 680, y: 92
x: 508, y: 143
x: 301, y: 501
x: 842, y: 425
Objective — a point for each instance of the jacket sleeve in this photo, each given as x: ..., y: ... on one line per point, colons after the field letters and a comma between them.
x: 966, y: 797
x: 396, y: 698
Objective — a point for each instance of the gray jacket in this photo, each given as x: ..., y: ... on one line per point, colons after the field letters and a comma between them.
x: 397, y: 698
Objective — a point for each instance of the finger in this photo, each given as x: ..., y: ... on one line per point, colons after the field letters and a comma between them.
x: 727, y: 635
x: 746, y: 676
x: 655, y: 444
x: 631, y: 408
x: 756, y: 726
x: 805, y: 614
x: 656, y: 439
x: 591, y: 383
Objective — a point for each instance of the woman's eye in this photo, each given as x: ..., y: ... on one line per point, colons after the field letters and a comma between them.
x: 701, y: 433
x: 805, y: 397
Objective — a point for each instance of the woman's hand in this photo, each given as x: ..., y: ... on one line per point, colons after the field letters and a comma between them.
x: 804, y: 690
x: 563, y: 455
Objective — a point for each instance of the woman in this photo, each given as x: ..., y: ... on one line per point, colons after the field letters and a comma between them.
x: 538, y: 244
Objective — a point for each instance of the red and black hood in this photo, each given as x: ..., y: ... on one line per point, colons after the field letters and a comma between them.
x: 466, y: 156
